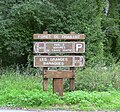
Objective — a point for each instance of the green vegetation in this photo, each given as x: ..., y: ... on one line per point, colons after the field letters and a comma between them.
x: 97, y: 84
x: 98, y: 78
x: 20, y: 19
x: 23, y: 90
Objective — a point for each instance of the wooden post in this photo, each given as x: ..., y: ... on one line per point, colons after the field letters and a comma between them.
x: 45, y: 32
x: 58, y: 86
x: 45, y: 80
x: 72, y: 80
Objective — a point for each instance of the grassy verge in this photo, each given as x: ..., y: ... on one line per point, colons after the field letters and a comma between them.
x: 17, y: 90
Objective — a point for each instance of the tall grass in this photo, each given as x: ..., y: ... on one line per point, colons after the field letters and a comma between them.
x: 24, y: 89
x: 98, y: 78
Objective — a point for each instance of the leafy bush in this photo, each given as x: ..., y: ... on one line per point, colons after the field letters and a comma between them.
x: 98, y: 78
x: 23, y: 20
x: 35, y: 16
x: 110, y: 26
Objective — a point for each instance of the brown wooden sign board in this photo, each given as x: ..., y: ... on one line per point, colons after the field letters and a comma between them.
x: 59, y: 61
x: 59, y: 36
x: 59, y: 47
x: 58, y: 74
x: 45, y: 48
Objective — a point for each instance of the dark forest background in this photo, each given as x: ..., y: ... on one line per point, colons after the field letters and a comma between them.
x: 99, y: 20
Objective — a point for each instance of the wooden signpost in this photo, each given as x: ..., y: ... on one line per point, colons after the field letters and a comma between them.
x: 46, y: 59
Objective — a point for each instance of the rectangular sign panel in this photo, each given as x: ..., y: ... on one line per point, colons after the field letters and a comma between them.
x: 59, y: 47
x: 59, y: 36
x: 59, y: 61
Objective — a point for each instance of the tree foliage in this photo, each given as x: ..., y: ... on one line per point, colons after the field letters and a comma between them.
x: 111, y: 28
x: 20, y: 19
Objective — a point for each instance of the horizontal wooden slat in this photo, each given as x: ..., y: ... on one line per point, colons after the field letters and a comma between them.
x: 58, y: 74
x: 59, y: 36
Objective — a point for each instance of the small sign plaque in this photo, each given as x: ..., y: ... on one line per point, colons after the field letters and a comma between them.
x: 59, y: 36
x: 59, y: 47
x: 59, y: 61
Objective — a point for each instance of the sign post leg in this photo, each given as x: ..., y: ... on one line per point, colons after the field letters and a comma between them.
x: 72, y: 80
x: 45, y: 84
x: 45, y: 80
x: 72, y: 87
x: 58, y: 86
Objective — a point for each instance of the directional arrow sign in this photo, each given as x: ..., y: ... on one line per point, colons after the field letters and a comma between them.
x: 59, y: 61
x: 59, y: 47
